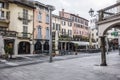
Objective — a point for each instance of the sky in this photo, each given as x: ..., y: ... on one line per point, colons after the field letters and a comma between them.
x: 80, y: 7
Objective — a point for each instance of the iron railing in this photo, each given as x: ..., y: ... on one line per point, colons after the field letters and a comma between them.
x: 8, y: 33
x: 24, y: 35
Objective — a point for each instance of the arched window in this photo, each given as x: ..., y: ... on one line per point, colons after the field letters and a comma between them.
x: 39, y: 16
x: 47, y: 33
x: 39, y: 35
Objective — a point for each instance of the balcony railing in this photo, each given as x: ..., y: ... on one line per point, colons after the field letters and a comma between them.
x: 24, y: 35
x: 8, y: 33
x: 109, y: 12
x: 21, y: 17
x: 4, y: 15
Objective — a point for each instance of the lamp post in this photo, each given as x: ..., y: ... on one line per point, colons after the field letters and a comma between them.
x: 50, y: 8
x: 91, y: 13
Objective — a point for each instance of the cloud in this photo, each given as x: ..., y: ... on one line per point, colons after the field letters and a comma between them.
x: 80, y: 7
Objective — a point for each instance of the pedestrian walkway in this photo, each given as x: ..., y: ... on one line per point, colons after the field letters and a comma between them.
x: 22, y: 60
x: 81, y: 68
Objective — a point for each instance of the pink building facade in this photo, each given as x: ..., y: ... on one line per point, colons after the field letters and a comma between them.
x: 41, y: 28
x: 80, y: 25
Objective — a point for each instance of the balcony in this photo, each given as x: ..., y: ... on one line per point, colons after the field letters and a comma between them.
x: 8, y: 33
x: 24, y: 35
x: 4, y: 15
x: 21, y: 17
x: 109, y: 13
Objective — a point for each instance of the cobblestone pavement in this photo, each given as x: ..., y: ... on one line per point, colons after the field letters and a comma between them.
x: 84, y: 68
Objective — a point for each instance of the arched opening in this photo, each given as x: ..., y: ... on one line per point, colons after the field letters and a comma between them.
x: 46, y: 45
x: 111, y: 34
x: 9, y: 43
x: 105, y: 41
x: 24, y: 48
x: 38, y: 47
x: 46, y: 48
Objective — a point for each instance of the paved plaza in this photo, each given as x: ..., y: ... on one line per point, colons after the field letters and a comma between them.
x: 82, y: 68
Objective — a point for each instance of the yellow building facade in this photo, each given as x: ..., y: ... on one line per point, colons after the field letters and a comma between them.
x: 16, y: 25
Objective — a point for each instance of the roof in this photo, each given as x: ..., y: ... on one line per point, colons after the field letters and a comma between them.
x: 40, y: 4
x: 25, y: 3
x: 53, y: 15
x: 62, y: 18
x: 79, y: 17
x: 75, y: 15
x: 67, y: 19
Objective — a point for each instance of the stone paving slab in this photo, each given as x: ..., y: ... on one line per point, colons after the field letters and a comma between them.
x: 83, y: 68
x: 35, y: 59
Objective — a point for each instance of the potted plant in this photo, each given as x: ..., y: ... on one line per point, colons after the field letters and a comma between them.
x: 8, y: 51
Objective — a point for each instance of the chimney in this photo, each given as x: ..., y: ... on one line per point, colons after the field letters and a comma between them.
x: 62, y: 10
x: 61, y: 13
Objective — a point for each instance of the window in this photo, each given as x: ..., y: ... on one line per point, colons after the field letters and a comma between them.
x: 75, y: 19
x: 47, y: 33
x: 57, y: 27
x: 25, y: 30
x: 70, y: 32
x: 39, y: 17
x: 46, y: 10
x: 70, y: 24
x: 47, y: 18
x: 1, y: 5
x: 39, y: 35
x: 53, y: 26
x: 80, y: 32
x: 62, y: 31
x: 25, y: 16
x: 64, y: 23
x: 1, y: 14
x: 97, y: 33
x: 72, y: 18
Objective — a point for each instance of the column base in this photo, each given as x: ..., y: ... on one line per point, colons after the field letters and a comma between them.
x: 103, y: 64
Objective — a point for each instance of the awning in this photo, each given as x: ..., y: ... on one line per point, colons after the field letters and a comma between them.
x: 80, y: 43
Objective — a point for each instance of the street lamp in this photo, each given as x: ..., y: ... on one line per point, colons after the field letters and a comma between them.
x: 50, y: 8
x: 91, y: 12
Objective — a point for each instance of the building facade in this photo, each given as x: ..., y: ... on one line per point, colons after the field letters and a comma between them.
x: 17, y: 27
x: 41, y: 28
x: 80, y: 29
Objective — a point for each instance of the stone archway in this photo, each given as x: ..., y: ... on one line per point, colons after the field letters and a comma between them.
x: 103, y: 27
x: 38, y: 47
x: 24, y: 47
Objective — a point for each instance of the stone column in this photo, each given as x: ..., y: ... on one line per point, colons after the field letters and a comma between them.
x: 65, y: 46
x: 61, y: 45
x: 103, y: 54
x: 16, y: 44
x: 31, y: 47
x: 68, y: 46
x: 42, y: 42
